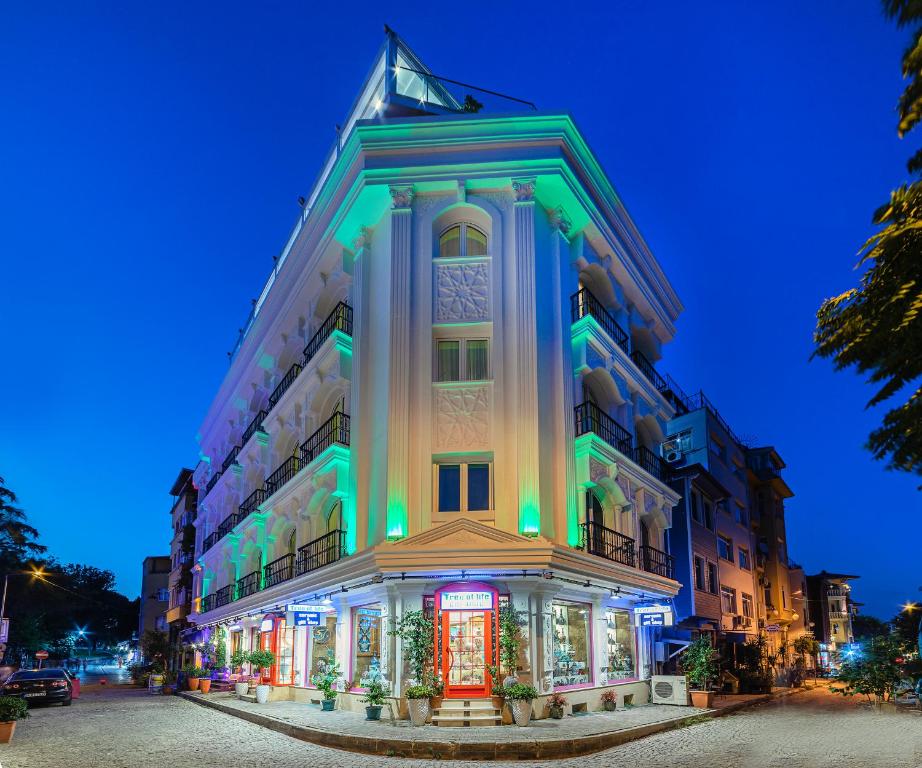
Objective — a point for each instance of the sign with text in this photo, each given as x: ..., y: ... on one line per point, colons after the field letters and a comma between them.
x: 309, y: 608
x: 304, y: 619
x: 641, y: 609
x: 663, y: 619
x: 466, y: 601
x: 773, y: 628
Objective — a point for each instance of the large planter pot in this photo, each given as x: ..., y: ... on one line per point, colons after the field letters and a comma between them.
x: 193, y: 683
x: 241, y: 689
x: 328, y: 705
x: 262, y: 693
x: 609, y: 706
x: 7, y: 727
x: 419, y: 710
x: 204, y: 685
x: 702, y: 699
x: 556, y: 713
x: 521, y: 711
x: 373, y: 712
x: 436, y: 702
x: 497, y: 702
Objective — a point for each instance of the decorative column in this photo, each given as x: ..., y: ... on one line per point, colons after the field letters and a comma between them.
x: 399, y: 378
x: 358, y: 405
x: 526, y: 390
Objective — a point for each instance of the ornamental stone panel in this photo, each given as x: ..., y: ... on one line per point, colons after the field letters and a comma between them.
x: 462, y: 292
x: 462, y: 418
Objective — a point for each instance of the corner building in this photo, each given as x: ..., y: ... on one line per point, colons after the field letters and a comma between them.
x: 445, y: 399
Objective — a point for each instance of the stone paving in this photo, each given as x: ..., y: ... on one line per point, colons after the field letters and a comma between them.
x: 119, y: 728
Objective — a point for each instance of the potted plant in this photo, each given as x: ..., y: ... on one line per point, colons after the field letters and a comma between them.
x: 193, y: 675
x: 326, y: 684
x: 12, y: 708
x: 497, y: 692
x: 204, y: 683
x: 418, y: 703
x: 437, y: 686
x: 169, y: 683
x: 375, y: 693
x: 510, y: 638
x: 609, y: 701
x: 238, y: 659
x: 263, y: 660
x: 520, y: 697
x: 700, y: 663
x: 555, y: 705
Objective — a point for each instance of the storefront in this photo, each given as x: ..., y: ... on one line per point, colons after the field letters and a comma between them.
x: 276, y: 635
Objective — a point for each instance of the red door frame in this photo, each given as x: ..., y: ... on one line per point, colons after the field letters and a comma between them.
x: 269, y: 641
x: 443, y: 653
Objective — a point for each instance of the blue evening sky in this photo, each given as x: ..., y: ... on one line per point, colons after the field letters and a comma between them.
x: 151, y: 156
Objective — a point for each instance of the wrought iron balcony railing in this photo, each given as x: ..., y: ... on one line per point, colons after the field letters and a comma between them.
x: 227, y: 525
x: 647, y: 369
x: 590, y: 418
x: 336, y: 429
x: 206, y: 604
x: 583, y: 304
x: 212, y: 482
x: 340, y: 319
x: 224, y: 595
x: 604, y: 542
x: 322, y: 551
x: 251, y: 503
x: 652, y: 463
x: 248, y: 585
x: 230, y: 458
x: 282, y: 475
x: 209, y: 541
x: 287, y: 380
x: 656, y: 561
x: 257, y: 423
x: 279, y: 570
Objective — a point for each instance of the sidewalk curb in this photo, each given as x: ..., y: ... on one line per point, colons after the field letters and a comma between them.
x: 543, y: 749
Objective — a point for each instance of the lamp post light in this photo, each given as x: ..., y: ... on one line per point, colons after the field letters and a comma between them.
x: 38, y: 573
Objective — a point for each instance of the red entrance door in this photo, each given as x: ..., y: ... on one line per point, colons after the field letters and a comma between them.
x: 279, y: 638
x: 468, y: 625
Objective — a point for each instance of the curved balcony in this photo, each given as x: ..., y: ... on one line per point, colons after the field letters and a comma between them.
x: 247, y: 585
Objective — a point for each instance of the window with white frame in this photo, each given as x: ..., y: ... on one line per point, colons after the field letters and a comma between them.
x: 462, y: 359
x: 462, y: 240
x: 743, y: 555
x: 747, y: 605
x: 463, y: 487
x: 727, y: 600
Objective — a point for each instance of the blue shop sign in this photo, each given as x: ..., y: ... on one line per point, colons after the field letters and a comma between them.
x: 305, y: 619
x: 652, y: 619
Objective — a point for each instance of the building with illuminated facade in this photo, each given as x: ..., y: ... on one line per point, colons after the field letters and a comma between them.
x: 445, y: 399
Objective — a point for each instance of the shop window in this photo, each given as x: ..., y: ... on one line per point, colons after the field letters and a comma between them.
x: 323, y: 647
x: 620, y: 645
x: 462, y: 359
x: 571, y: 644
x: 464, y: 487
x: 366, y: 645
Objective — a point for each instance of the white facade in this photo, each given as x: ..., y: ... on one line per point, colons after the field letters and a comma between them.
x: 438, y: 350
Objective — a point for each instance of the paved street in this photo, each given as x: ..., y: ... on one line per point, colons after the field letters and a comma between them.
x: 125, y: 727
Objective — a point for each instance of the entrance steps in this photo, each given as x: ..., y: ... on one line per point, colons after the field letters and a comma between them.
x: 462, y: 713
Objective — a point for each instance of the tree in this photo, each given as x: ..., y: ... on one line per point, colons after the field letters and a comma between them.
x: 877, y: 327
x: 873, y: 670
x: 865, y: 627
x: 17, y: 538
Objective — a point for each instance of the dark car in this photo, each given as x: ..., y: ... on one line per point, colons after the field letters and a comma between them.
x: 39, y: 686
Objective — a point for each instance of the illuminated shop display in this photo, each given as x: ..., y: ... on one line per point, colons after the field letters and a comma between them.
x: 366, y: 639
x: 619, y: 645
x: 571, y: 644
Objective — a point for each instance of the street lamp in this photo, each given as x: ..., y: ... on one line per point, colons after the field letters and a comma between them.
x: 35, y: 573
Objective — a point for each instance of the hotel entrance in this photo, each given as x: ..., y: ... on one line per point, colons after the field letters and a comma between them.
x: 467, y: 628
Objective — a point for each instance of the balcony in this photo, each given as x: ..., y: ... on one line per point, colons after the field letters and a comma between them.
x: 227, y: 525
x: 340, y: 319
x: 584, y: 304
x: 322, y: 551
x: 336, y: 429
x: 287, y: 380
x: 212, y: 482
x: 649, y: 461
x: 837, y: 592
x: 251, y: 503
x: 838, y: 615
x: 590, y: 418
x: 177, y: 613
x: 207, y: 604
x: 653, y: 560
x: 278, y: 571
x: 598, y: 540
x: 257, y: 423
x: 210, y: 540
x: 230, y: 458
x: 282, y: 475
x: 248, y: 585
x: 223, y: 596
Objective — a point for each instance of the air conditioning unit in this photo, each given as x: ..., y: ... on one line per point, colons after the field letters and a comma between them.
x: 674, y: 457
x: 669, y: 689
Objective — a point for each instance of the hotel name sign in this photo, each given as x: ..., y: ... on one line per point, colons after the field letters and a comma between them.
x: 466, y: 601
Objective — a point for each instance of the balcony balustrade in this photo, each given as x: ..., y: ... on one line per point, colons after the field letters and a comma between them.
x: 257, y: 423
x: 279, y: 570
x: 836, y: 592
x: 321, y: 551
x: 209, y: 541
x: 652, y: 463
x: 212, y: 482
x: 287, y: 380
x: 230, y: 458
x: 282, y: 475
x: 647, y: 369
x: 590, y: 418
x: 224, y: 596
x: 336, y: 429
x: 653, y: 560
x: 206, y: 604
x: 251, y: 503
x: 584, y: 304
x: 227, y: 525
x: 340, y: 319
x: 838, y: 615
x: 248, y: 585
x: 598, y: 540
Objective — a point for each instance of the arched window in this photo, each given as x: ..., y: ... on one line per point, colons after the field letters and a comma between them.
x: 291, y: 543
x: 462, y: 240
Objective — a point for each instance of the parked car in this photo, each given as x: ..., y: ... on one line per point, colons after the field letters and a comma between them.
x: 40, y: 686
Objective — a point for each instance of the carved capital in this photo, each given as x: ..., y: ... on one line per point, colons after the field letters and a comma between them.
x: 524, y: 190
x: 559, y: 220
x: 363, y: 240
x: 401, y: 197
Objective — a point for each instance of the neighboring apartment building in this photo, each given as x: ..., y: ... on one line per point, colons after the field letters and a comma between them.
x: 155, y: 594
x: 445, y: 400
x: 182, y: 556
x: 831, y: 611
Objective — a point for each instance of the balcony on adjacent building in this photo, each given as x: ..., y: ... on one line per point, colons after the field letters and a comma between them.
x: 287, y: 380
x: 224, y: 596
x: 340, y: 319
x: 279, y: 570
x: 598, y: 540
x: 584, y: 304
x: 838, y: 615
x: 653, y: 560
x: 248, y: 585
x: 321, y: 551
x: 837, y: 592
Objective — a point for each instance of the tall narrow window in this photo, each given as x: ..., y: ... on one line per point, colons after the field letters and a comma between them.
x: 476, y: 359
x: 450, y: 242
x: 712, y: 578
x: 699, y: 574
x: 464, y: 487
x: 462, y: 359
x: 448, y: 362
x: 478, y: 487
x: 449, y: 487
x: 475, y: 242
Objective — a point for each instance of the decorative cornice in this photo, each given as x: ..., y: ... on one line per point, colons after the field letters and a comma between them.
x: 524, y: 190
x: 402, y: 197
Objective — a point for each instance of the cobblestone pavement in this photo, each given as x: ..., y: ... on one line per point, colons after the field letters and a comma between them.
x: 124, y: 728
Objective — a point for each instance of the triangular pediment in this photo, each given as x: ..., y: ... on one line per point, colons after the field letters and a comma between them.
x: 465, y: 533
